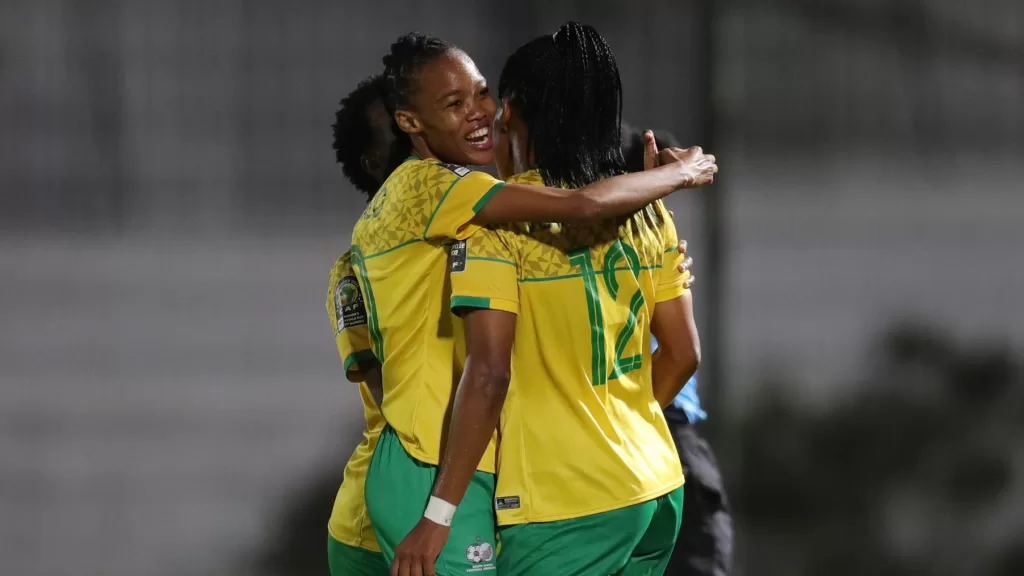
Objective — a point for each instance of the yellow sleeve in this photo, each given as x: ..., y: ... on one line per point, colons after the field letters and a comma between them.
x: 669, y: 279
x: 457, y: 201
x: 347, y: 314
x: 484, y: 273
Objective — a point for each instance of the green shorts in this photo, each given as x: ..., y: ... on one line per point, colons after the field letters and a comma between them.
x: 346, y: 560
x: 397, y: 489
x: 631, y: 541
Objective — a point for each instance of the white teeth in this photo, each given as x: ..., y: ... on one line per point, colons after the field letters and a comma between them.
x: 480, y: 133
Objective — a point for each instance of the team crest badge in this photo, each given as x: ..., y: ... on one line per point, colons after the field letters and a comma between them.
x: 480, y: 552
x: 348, y: 303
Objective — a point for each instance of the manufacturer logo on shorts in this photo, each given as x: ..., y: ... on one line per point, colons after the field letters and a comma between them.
x: 480, y: 554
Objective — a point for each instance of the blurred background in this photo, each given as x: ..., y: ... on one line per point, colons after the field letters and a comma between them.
x: 171, y: 402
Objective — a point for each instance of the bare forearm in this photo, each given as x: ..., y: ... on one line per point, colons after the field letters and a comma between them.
x: 628, y: 193
x: 478, y: 404
x: 669, y: 375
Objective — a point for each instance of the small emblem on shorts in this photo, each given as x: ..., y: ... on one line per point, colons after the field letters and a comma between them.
x: 480, y: 552
x: 506, y: 503
x: 459, y: 252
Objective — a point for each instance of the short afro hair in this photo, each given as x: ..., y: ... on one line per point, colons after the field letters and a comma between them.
x: 633, y: 145
x: 354, y: 134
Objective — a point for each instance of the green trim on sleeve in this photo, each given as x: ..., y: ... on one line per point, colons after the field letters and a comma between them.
x: 470, y: 302
x: 486, y: 197
x: 362, y: 358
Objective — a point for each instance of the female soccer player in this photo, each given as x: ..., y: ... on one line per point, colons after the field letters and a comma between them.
x: 362, y: 140
x: 589, y: 481
x: 400, y: 251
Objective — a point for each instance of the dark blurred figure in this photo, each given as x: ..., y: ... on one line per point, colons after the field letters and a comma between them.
x: 704, y: 547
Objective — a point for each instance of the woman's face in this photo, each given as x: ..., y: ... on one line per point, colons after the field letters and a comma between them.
x: 452, y: 111
x: 510, y: 138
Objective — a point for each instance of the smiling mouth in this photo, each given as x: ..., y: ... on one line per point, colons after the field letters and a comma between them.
x: 480, y: 138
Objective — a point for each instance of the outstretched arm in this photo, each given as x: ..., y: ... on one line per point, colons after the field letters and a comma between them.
x: 618, y: 196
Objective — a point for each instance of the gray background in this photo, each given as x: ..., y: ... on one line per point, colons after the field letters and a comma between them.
x: 170, y: 209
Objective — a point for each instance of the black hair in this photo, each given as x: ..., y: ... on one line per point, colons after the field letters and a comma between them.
x: 354, y: 133
x: 401, y: 65
x: 633, y: 145
x: 567, y: 89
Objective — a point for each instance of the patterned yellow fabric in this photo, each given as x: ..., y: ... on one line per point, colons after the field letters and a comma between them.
x: 581, y: 432
x: 400, y: 252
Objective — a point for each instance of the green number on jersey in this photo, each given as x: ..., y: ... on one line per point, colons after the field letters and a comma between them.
x: 599, y: 364
x: 371, y: 304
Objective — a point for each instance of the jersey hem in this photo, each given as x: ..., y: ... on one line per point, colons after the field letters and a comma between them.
x: 419, y: 455
x: 356, y: 542
x: 536, y: 519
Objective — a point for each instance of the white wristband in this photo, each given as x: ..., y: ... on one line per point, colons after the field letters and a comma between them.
x: 439, y: 511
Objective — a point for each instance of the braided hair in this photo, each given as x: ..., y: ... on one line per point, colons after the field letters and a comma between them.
x: 567, y: 89
x: 409, y: 53
x: 354, y: 133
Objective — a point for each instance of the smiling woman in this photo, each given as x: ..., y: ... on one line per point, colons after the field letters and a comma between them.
x: 442, y: 114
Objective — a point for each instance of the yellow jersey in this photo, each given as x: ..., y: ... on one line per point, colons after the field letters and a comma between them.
x: 400, y: 251
x: 350, y: 522
x: 581, y: 432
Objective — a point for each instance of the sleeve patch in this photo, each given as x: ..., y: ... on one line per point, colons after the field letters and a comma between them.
x: 459, y: 252
x: 459, y: 171
x: 348, y: 304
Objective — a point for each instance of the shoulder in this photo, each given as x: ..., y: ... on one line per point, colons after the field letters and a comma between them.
x: 530, y: 177
x: 435, y: 177
x: 342, y: 266
x: 492, y: 243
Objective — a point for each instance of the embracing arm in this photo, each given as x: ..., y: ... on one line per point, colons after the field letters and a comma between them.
x: 678, y: 353
x: 618, y: 196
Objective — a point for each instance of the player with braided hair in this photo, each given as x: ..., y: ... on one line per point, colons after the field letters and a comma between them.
x: 400, y: 251
x: 362, y: 141
x: 588, y: 477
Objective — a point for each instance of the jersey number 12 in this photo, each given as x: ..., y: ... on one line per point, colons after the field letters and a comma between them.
x: 599, y: 362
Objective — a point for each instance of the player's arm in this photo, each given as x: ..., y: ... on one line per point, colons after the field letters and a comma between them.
x: 478, y: 402
x: 478, y: 399
x: 617, y: 196
x: 673, y: 324
x: 351, y: 334
x: 476, y: 199
x: 485, y: 291
x: 678, y: 353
